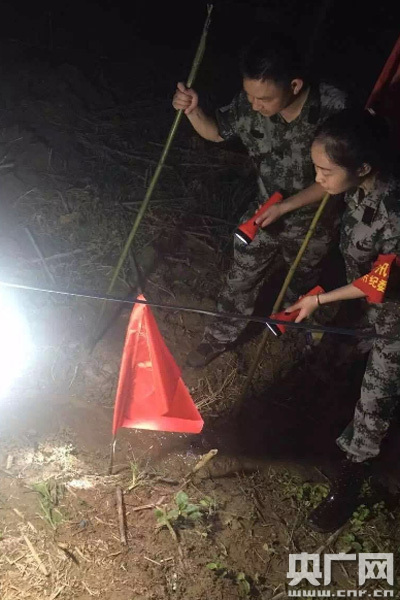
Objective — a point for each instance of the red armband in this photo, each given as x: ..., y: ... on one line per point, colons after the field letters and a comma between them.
x: 374, y: 283
x: 291, y: 317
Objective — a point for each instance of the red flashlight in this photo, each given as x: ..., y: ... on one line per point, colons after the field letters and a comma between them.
x: 290, y: 317
x: 247, y: 231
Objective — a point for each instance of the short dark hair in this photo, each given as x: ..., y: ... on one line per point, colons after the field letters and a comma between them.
x: 354, y: 137
x: 274, y: 57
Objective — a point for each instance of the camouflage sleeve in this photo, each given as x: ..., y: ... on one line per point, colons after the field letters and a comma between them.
x: 391, y: 246
x: 375, y: 283
x: 227, y: 118
x: 390, y: 242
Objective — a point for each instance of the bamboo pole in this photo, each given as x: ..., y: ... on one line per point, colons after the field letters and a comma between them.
x: 279, y: 300
x: 193, y: 72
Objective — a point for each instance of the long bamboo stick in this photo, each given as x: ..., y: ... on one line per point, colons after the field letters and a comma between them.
x: 279, y: 300
x: 193, y: 72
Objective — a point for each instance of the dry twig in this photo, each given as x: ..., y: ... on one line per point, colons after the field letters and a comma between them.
x: 36, y: 556
x: 121, y: 516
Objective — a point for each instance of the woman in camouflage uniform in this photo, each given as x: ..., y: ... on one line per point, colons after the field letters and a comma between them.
x: 349, y: 156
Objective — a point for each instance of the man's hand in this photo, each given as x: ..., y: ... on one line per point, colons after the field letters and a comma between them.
x: 185, y: 99
x: 306, y: 305
x: 270, y: 215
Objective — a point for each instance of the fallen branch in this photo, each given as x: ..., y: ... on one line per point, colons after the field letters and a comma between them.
x: 57, y: 256
x: 58, y: 592
x: 8, y: 474
x: 200, y: 465
x: 40, y: 255
x: 36, y: 556
x: 81, y: 555
x: 279, y: 596
x: 121, y: 516
x: 126, y: 155
x: 148, y: 506
x: 203, y: 462
x: 68, y: 552
x: 330, y: 540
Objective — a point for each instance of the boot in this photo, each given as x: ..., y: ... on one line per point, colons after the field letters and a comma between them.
x: 204, y: 354
x: 342, y: 499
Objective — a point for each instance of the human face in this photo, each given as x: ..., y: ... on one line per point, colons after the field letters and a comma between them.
x: 267, y: 97
x: 332, y: 177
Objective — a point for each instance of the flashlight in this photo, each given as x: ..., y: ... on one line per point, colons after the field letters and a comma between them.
x: 277, y: 330
x: 247, y: 231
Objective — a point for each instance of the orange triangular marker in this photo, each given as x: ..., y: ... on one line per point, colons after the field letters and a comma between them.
x: 151, y: 393
x: 385, y: 97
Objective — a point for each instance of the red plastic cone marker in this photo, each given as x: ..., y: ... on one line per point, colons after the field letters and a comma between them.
x: 385, y: 97
x: 151, y: 393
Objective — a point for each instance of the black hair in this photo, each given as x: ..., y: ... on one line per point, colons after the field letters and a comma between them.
x: 275, y: 57
x: 354, y: 137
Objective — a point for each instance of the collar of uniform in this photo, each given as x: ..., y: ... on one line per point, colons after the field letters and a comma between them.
x: 364, y: 198
x: 310, y: 111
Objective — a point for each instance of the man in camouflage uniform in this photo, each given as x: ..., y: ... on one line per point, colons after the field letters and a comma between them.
x: 275, y: 116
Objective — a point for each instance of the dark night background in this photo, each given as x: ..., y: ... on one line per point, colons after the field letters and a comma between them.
x: 152, y: 44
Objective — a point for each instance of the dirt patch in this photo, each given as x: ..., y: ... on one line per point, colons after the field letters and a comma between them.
x: 248, y: 517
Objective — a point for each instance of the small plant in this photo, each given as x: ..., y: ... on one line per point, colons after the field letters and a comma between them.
x: 311, y: 494
x: 184, y: 509
x: 183, y: 514
x: 243, y: 584
x: 359, y: 517
x: 49, y: 494
x: 208, y: 505
x: 308, y: 494
x: 366, y: 490
x: 241, y: 579
x: 219, y: 568
x: 139, y: 475
x: 358, y: 538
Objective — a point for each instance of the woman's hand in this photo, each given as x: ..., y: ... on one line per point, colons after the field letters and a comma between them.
x: 306, y: 305
x: 271, y: 214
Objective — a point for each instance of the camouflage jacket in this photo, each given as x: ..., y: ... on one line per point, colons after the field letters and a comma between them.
x: 370, y: 225
x: 280, y: 150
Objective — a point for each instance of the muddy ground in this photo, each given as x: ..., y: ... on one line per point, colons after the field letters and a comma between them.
x: 76, y: 155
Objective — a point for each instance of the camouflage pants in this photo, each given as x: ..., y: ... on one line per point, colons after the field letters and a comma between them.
x: 380, y: 389
x: 253, y: 263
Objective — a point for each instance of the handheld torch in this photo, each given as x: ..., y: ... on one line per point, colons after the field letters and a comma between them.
x: 247, y: 231
x: 290, y: 317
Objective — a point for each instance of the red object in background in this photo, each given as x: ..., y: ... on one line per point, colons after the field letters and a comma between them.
x: 247, y: 231
x: 385, y: 97
x: 151, y: 393
x: 291, y: 317
x: 374, y: 283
